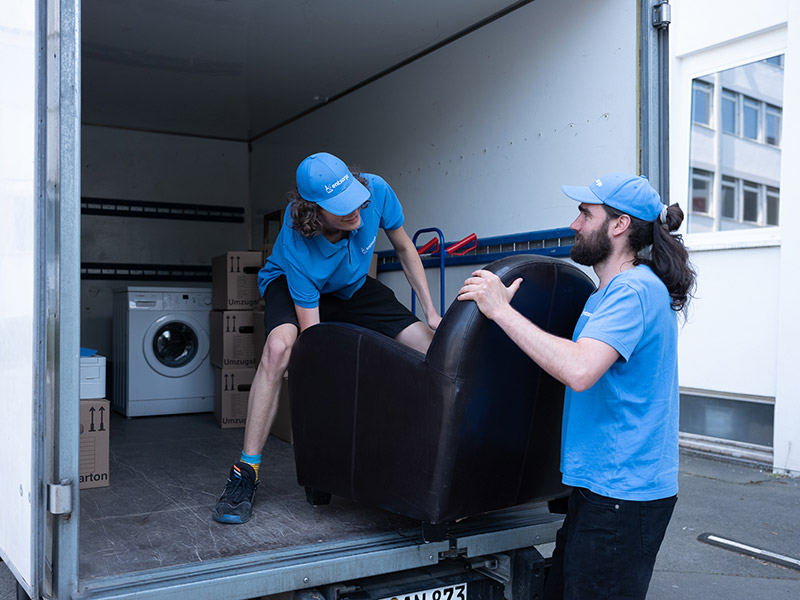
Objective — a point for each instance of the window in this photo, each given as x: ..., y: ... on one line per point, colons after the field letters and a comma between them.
x: 750, y: 112
x: 773, y: 125
x: 701, y: 102
x: 773, y: 203
x: 729, y: 111
x: 750, y: 204
x: 701, y: 191
x: 729, y: 197
x: 735, y: 156
x: 775, y: 60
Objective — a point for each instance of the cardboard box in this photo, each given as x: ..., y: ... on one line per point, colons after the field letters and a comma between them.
x: 234, y: 280
x: 232, y: 339
x: 93, y: 377
x: 94, y: 443
x: 373, y: 267
x: 231, y: 391
x: 273, y: 222
x: 282, y: 426
x: 259, y: 334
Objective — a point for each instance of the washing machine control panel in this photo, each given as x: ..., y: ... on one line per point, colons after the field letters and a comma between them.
x: 187, y: 301
x: 170, y: 300
x: 145, y: 301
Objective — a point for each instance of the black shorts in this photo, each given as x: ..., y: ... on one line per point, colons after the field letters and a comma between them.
x: 373, y: 306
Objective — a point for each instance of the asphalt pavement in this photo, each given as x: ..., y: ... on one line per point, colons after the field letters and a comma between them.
x: 734, y: 501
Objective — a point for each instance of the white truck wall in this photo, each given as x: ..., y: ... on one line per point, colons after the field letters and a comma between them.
x: 131, y: 165
x: 17, y: 306
x: 479, y: 135
x: 742, y: 337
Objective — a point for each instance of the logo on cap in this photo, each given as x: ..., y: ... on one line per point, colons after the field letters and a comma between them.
x: 335, y: 184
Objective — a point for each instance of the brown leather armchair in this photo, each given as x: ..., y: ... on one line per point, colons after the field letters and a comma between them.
x: 471, y: 427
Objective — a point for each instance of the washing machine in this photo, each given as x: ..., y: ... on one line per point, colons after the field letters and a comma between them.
x: 161, y: 361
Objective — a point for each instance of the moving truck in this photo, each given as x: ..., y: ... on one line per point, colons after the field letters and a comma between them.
x: 198, y: 112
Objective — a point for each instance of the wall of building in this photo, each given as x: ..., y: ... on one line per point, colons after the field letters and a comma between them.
x: 132, y: 165
x: 741, y: 334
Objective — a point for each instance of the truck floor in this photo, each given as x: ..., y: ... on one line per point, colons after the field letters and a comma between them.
x: 166, y: 474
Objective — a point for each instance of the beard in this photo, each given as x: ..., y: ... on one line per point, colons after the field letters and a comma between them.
x: 592, y: 249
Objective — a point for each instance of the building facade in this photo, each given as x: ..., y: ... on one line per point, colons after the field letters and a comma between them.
x: 733, y: 136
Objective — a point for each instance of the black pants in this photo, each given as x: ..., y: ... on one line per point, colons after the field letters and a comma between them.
x: 606, y: 548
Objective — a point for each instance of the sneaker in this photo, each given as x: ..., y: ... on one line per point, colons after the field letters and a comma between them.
x: 236, y: 503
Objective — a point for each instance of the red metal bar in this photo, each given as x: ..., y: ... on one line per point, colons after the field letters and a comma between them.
x: 430, y: 247
x: 459, y: 249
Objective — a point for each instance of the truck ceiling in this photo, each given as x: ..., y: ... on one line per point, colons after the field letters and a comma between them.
x: 235, y: 69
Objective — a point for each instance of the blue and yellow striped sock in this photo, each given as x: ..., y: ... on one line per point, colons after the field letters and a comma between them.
x: 254, y: 460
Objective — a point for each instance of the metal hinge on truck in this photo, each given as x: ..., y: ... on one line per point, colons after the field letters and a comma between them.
x: 662, y: 15
x: 59, y: 498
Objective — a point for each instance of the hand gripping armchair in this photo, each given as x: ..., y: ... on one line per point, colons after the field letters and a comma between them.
x: 471, y: 427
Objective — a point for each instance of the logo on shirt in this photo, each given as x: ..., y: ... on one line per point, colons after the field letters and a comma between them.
x: 598, y: 183
x: 335, y: 184
x: 369, y: 246
x: 586, y: 313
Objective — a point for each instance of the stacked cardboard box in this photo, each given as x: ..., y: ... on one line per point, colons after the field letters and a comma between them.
x: 282, y: 426
x: 234, y: 280
x: 94, y: 423
x: 238, y: 336
x: 234, y: 284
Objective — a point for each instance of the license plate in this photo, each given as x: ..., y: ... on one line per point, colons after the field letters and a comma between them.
x: 457, y: 591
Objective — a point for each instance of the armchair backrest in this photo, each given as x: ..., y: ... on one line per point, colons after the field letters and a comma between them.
x: 552, y: 296
x: 506, y: 411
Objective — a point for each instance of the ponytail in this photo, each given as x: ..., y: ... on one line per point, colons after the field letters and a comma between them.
x: 668, y: 257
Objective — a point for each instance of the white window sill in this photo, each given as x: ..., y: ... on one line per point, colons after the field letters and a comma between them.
x: 757, y: 237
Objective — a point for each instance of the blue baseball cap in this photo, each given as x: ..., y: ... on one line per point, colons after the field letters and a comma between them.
x: 627, y: 193
x: 325, y: 180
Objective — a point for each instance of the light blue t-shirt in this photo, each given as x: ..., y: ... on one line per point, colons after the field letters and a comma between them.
x: 314, y: 266
x: 620, y: 437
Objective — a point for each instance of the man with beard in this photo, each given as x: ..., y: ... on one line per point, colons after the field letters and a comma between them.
x: 620, y: 425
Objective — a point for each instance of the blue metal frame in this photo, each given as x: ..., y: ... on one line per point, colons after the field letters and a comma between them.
x: 442, y: 255
x: 507, y: 243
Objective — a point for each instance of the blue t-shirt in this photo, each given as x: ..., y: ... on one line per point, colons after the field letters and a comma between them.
x: 314, y: 266
x: 620, y: 437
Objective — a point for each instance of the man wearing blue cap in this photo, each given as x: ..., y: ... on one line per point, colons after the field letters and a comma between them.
x: 620, y: 425
x: 318, y: 272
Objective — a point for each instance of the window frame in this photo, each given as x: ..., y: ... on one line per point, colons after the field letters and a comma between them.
x: 705, y: 64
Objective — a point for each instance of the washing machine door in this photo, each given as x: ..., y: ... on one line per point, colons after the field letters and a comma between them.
x: 175, y: 345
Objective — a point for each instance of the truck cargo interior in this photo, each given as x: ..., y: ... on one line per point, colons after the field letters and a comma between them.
x: 194, y: 116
